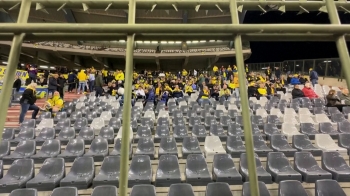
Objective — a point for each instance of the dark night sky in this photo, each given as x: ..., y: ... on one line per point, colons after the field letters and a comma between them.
x: 280, y: 51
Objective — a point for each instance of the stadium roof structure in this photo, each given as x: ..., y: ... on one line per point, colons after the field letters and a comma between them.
x: 335, y: 30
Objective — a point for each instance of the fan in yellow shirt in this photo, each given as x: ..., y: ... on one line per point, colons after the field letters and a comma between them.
x: 55, y: 104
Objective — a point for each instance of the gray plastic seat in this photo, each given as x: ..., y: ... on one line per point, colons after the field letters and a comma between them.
x: 218, y: 188
x: 279, y: 143
x: 98, y: 149
x: 180, y: 190
x: 167, y: 146
x: 262, y: 174
x: 179, y: 132
x: 142, y: 131
x: 309, y: 130
x: 43, y: 115
x: 194, y: 121
x: 279, y: 167
x: 334, y: 163
x: 115, y: 123
x: 260, y: 146
x: 62, y: 123
x: 328, y: 188
x: 337, y: 117
x: 140, y: 171
x: 80, y: 174
x: 66, y: 191
x: 107, y: 133
x: 24, y: 134
x: 75, y: 148
x: 224, y: 170
x: 45, y: 134
x: 50, y: 149
x: 209, y: 121
x: 80, y: 123
x: 327, y: 128
x: 235, y: 129
x: 168, y: 171
x: 143, y: 190
x: 134, y: 125
x: 1, y: 168
x: 217, y: 130
x: 344, y: 141
x: 87, y: 134
x: 163, y: 121
x: 147, y: 122
x: 199, y: 132
x: 239, y: 120
x: 273, y: 119
x: 178, y: 121
x: 235, y: 146
x: 302, y: 143
x: 20, y: 172
x: 66, y: 134
x: 24, y: 149
x: 258, y: 121
x: 270, y: 129
x: 4, y: 148
x: 26, y: 192
x: 75, y: 115
x: 344, y: 126
x: 106, y: 190
x: 145, y: 146
x: 190, y: 145
x: 117, y: 148
x: 8, y: 134
x: 49, y: 176
x: 225, y: 121
x: 109, y: 172
x: 218, y: 114
x: 197, y: 173
x: 27, y: 123
x: 59, y: 116
x: 161, y: 131
x: 232, y: 114
x: 291, y: 188
x: 306, y: 164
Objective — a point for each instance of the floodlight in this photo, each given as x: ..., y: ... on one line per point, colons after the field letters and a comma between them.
x: 15, y: 6
x: 240, y: 8
x: 154, y: 42
x: 147, y: 42
x: 282, y: 9
x: 171, y: 42
x: 41, y: 7
x: 85, y: 7
x: 197, y: 7
x: 139, y: 42
x: 188, y: 42
x: 43, y: 66
x: 122, y: 41
x: 178, y: 42
x: 323, y: 9
x: 174, y: 6
x: 163, y: 42
x: 202, y: 41
x: 194, y: 41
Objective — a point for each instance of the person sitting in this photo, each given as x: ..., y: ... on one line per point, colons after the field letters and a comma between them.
x: 295, y: 80
x: 150, y: 96
x: 279, y: 86
x: 55, y: 104
x: 263, y: 91
x: 140, y: 93
x: 177, y: 93
x: 344, y: 97
x: 189, y: 88
x: 225, y: 93
x: 252, y: 90
x: 297, y: 93
x: 309, y: 92
x: 215, y: 92
x: 203, y: 95
x: 332, y: 99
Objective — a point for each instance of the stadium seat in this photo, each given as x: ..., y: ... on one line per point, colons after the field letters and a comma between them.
x: 180, y: 190
x: 27, y: 123
x: 303, y: 143
x: 209, y: 121
x: 46, y: 133
x: 163, y: 121
x: 147, y: 122
x: 262, y: 174
x: 306, y: 165
x: 50, y: 174
x: 66, y: 134
x: 190, y: 145
x: 235, y: 146
x: 197, y: 173
x: 4, y: 148
x: 291, y: 188
x: 23, y: 135
x: 80, y: 123
x: 194, y: 120
x: 90, y: 116
x: 235, y: 129
x: 87, y: 134
x: 179, y: 132
x: 98, y: 149
x: 97, y: 124
x: 224, y: 170
x: 260, y: 146
x: 225, y: 121
x: 321, y: 118
x: 67, y: 191
x: 50, y: 149
x: 262, y: 189
x: 115, y: 123
x: 213, y: 146
x: 289, y: 130
x: 142, y: 131
x: 109, y: 172
x: 24, y: 149
x: 279, y: 143
x: 61, y: 124
x: 327, y: 144
x: 106, y: 190
x: 274, y: 119
x: 140, y: 171
x: 75, y: 148
x: 270, y: 129
x: 75, y: 115
x: 145, y: 146
x: 80, y: 174
x: 167, y: 146
x: 42, y: 116
x: 309, y: 130
x: 279, y: 167
x: 328, y: 187
x: 334, y: 163
x: 161, y: 131
x: 107, y: 133
x: 144, y: 190
x: 117, y: 148
x: 106, y: 116
x: 327, y: 128
x: 26, y: 192
x: 8, y: 134
x: 199, y: 132
x: 168, y: 171
x: 218, y: 188
x: 120, y: 134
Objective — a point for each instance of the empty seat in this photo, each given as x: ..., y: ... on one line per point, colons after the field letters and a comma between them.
x: 143, y: 190
x: 75, y: 148
x: 270, y: 129
x: 199, y: 132
x: 190, y: 145
x: 291, y: 188
x: 289, y: 130
x: 303, y: 143
x: 107, y: 133
x: 80, y: 174
x: 118, y: 146
x: 97, y: 124
x: 115, y: 123
x: 334, y: 163
x: 344, y: 141
x: 309, y: 130
x: 26, y: 192
x: 279, y: 167
x: 338, y: 117
x: 145, y: 146
x: 161, y: 131
x: 306, y: 165
x: 213, y: 146
x: 262, y: 189
x: 20, y: 172
x: 59, y: 116
x: 45, y: 123
x: 8, y: 134
x: 328, y: 188
x: 62, y: 123
x: 209, y: 121
x: 235, y: 129
x: 197, y: 173
x: 98, y: 149
x: 28, y: 123
x: 344, y: 127
x: 66, y: 134
x: 142, y: 131
x: 235, y: 146
x: 80, y: 123
x: 4, y: 148
x: 120, y: 133
x: 218, y: 130
x: 90, y: 116
x: 218, y: 188
x: 257, y: 120
x: 109, y: 172
x: 179, y: 132
x: 327, y: 144
x: 167, y: 146
x: 50, y: 149
x: 180, y: 190
x: 327, y: 128
x: 260, y: 146
x: 163, y: 121
x: 262, y: 174
x: 224, y: 170
x: 321, y: 118
x: 24, y: 149
x: 67, y: 191
x: 24, y: 134
x: 140, y: 171
x: 45, y: 134
x: 279, y: 143
x: 168, y: 171
x: 194, y: 121
x: 87, y: 134
x: 106, y: 190
x: 225, y: 121
x: 49, y: 176
x: 106, y: 116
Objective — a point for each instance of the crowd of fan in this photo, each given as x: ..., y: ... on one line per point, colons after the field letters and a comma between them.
x: 198, y: 50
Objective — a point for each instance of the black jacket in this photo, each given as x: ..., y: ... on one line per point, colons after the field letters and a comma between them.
x: 17, y: 84
x: 61, y: 81
x: 297, y: 93
x: 28, y: 96
x: 52, y: 83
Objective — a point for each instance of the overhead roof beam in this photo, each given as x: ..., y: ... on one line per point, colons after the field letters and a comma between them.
x: 184, y: 16
x: 6, y: 18
x: 70, y: 18
x: 188, y: 4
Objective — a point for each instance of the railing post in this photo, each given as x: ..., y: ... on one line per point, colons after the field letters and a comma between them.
x: 253, y: 179
x: 15, y: 51
x: 124, y: 162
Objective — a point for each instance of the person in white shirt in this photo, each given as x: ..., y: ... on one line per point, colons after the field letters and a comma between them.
x: 140, y: 93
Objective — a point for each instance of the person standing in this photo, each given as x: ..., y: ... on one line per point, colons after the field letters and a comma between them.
x: 99, y: 84
x: 268, y: 72
x: 313, y: 77
x: 53, y: 84
x: 17, y: 84
x: 27, y: 102
x: 278, y: 73
x: 92, y: 80
x: 61, y: 82
x: 82, y: 81
x: 32, y: 72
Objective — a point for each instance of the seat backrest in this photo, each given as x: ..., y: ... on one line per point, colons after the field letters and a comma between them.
x: 328, y: 187
x: 75, y: 145
x: 291, y: 188
x: 180, y: 189
x: 334, y: 161
x: 26, y: 147
x: 105, y: 190
x: 262, y: 189
x: 190, y: 142
x: 21, y: 167
x: 53, y: 167
x: 277, y: 161
x: 218, y: 188
x: 99, y: 144
x: 304, y: 160
x: 140, y: 164
x: 144, y: 190
x: 110, y: 165
x: 26, y: 192
x: 71, y: 191
x: 50, y: 146
x: 196, y: 162
x: 83, y: 165
x: 168, y: 164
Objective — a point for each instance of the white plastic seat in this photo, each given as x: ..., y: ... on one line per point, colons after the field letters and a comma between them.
x: 120, y: 134
x: 233, y: 107
x: 97, y: 124
x: 304, y: 111
x: 289, y: 118
x: 106, y: 116
x: 92, y: 97
x: 45, y: 123
x: 327, y: 144
x: 276, y: 111
x: 182, y: 103
x: 213, y: 146
x: 304, y: 118
x: 80, y: 105
x: 262, y: 102
x: 253, y: 99
x: 114, y: 104
x: 150, y: 114
x: 163, y: 114
x: 222, y: 108
x: 139, y: 104
x: 321, y: 118
x: 263, y: 99
x: 261, y: 112
x: 82, y: 98
x: 289, y: 129
x: 289, y: 111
